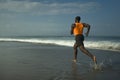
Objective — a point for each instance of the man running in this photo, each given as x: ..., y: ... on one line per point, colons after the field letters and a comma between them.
x: 77, y: 30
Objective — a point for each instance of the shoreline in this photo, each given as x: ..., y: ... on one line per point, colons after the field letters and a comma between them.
x: 55, y: 45
x: 92, y: 43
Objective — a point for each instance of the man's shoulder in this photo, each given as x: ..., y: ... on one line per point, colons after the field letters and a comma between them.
x: 73, y: 25
x: 85, y: 24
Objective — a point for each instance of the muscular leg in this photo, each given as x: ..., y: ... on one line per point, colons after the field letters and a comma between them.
x: 85, y: 51
x: 75, y: 52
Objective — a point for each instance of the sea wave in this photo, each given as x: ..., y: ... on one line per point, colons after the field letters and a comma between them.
x: 104, y: 45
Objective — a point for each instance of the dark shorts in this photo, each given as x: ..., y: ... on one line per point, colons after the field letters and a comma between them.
x: 79, y: 40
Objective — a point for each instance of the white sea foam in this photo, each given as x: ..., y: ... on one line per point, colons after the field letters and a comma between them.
x: 107, y: 45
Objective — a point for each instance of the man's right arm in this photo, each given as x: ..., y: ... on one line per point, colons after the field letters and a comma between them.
x: 72, y: 28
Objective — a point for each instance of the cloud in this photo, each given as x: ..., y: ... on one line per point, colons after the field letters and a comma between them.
x: 39, y: 8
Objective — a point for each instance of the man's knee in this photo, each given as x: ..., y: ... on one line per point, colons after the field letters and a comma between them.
x: 82, y: 48
x: 75, y: 46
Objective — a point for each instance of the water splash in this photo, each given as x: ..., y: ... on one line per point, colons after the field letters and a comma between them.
x: 95, y: 66
x: 102, y: 65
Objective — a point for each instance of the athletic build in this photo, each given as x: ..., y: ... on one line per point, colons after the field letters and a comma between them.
x: 77, y: 30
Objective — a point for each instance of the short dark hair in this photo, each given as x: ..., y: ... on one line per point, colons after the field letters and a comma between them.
x: 78, y: 18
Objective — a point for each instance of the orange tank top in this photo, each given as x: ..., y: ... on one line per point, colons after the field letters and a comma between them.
x: 78, y: 29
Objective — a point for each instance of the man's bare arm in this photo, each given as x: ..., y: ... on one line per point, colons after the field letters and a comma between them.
x: 88, y: 28
x: 72, y: 28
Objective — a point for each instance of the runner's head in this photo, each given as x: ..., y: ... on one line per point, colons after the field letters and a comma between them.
x: 77, y: 19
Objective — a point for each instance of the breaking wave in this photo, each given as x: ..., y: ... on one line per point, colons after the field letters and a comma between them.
x: 104, y: 45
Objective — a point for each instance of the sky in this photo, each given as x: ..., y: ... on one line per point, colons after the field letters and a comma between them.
x: 54, y: 17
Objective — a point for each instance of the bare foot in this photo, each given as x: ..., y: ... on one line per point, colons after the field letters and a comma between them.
x: 94, y: 59
x: 75, y: 60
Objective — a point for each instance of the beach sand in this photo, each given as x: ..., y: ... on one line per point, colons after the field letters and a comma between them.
x: 27, y: 61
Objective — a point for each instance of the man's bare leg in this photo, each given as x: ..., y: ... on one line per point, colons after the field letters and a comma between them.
x: 75, y: 53
x: 85, y: 51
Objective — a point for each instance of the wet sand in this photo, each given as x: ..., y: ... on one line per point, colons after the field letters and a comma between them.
x: 26, y: 61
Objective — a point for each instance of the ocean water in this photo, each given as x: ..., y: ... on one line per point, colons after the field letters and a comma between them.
x: 19, y: 61
x: 102, y: 43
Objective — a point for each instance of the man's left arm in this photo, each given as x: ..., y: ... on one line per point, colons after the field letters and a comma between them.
x: 88, y: 28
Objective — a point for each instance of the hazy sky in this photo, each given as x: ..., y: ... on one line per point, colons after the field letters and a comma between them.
x: 54, y: 17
